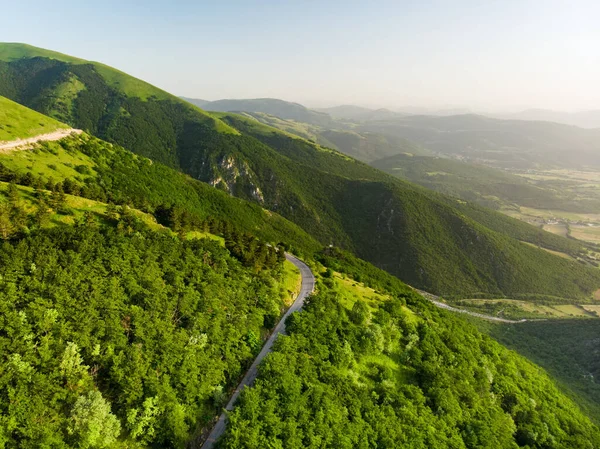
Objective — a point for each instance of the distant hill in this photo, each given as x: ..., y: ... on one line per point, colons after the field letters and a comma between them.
x: 368, y: 146
x: 499, y: 143
x: 358, y: 113
x: 196, y: 101
x: 336, y: 134
x: 428, y: 240
x: 583, y: 119
x: 279, y: 108
x: 486, y: 186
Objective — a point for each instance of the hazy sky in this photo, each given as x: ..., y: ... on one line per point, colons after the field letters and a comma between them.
x: 486, y: 54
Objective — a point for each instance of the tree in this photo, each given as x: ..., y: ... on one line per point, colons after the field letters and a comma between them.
x: 13, y: 195
x: 42, y: 215
x: 72, y: 367
x: 141, y: 422
x: 360, y: 313
x: 6, y: 224
x: 92, y: 424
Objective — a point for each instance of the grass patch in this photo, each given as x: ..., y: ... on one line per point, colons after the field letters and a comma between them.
x: 556, y: 253
x: 205, y: 235
x: 586, y: 233
x: 291, y: 283
x: 78, y: 207
x: 351, y: 291
x: 19, y: 122
x: 49, y: 160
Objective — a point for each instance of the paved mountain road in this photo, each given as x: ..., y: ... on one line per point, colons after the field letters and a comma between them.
x: 308, y: 285
x: 435, y: 299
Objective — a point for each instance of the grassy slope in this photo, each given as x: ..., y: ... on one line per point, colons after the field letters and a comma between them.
x: 127, y: 178
x: 78, y: 206
x: 123, y: 82
x: 18, y: 122
x: 86, y: 82
x: 322, y: 191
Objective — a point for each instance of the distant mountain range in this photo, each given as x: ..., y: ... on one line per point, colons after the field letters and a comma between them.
x: 370, y: 134
x: 583, y: 119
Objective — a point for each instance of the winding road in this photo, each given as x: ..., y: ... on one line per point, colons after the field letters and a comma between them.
x: 308, y: 286
x: 435, y: 299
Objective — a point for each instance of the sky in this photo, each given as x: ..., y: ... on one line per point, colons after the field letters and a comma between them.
x: 484, y: 55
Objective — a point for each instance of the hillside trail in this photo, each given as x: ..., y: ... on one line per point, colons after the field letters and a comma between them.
x: 22, y: 144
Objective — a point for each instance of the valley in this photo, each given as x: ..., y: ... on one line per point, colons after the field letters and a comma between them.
x: 143, y: 277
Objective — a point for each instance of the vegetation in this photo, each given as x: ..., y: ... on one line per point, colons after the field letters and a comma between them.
x: 384, y: 374
x: 111, y: 334
x: 102, y: 101
x: 18, y: 122
x: 118, y: 328
x: 567, y: 349
x: 361, y: 204
x: 91, y: 168
x: 426, y: 239
x: 486, y: 186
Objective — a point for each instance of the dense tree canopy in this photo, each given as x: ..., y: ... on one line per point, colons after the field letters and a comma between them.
x: 399, y: 377
x: 108, y: 333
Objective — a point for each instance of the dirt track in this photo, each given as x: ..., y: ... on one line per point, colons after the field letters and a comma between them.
x: 24, y: 143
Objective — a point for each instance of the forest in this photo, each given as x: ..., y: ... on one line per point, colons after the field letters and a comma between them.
x: 133, y: 296
x: 119, y: 336
x: 399, y: 373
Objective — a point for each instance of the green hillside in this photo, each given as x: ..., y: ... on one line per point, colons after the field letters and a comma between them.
x: 88, y: 167
x: 372, y: 213
x: 387, y: 370
x: 486, y: 186
x: 567, y: 349
x: 420, y: 237
x: 18, y: 122
x: 118, y: 332
x: 103, y: 101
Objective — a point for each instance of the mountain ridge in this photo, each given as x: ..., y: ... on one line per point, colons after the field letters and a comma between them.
x: 315, y: 187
